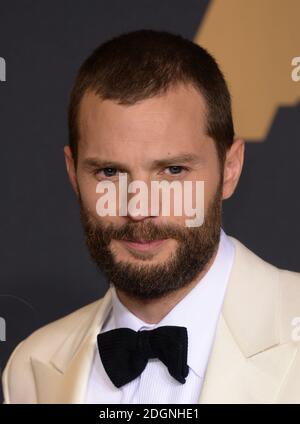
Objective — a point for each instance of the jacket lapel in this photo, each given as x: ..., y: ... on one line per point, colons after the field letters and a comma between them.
x: 247, y: 362
x: 64, y: 378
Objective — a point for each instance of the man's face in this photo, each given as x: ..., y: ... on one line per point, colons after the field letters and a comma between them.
x: 161, y: 138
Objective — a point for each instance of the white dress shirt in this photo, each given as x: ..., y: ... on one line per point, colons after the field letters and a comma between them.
x: 199, y: 312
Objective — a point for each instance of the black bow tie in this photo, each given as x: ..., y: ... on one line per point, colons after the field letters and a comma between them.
x: 125, y: 352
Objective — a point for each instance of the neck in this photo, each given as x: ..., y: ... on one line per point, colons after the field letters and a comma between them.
x: 152, y: 311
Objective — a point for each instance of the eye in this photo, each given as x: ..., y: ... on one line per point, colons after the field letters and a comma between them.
x: 107, y: 172
x: 176, y: 169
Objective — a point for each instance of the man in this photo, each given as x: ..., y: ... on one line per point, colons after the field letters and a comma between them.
x: 191, y: 315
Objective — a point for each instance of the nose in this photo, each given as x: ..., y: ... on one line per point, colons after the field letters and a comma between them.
x: 138, y: 207
x: 139, y: 198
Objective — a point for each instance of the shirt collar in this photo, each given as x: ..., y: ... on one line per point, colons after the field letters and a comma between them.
x: 198, y: 311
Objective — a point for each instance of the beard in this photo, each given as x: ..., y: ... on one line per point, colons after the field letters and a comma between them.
x: 195, y: 248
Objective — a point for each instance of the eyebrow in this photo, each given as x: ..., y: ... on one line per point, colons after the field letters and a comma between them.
x: 185, y: 158
x: 182, y: 158
x: 100, y: 163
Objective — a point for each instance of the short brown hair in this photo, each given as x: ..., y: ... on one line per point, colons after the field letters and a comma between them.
x: 144, y: 63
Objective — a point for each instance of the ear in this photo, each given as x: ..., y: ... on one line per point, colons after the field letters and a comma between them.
x: 70, y: 165
x: 233, y: 167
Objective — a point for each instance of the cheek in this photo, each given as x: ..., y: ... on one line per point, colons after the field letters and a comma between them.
x: 210, y: 188
x: 211, y: 180
x: 90, y: 199
x: 89, y: 196
x: 204, y: 189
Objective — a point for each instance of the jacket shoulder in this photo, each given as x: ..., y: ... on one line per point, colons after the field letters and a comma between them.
x: 251, y: 258
x: 43, y: 342
x: 58, y: 330
x: 285, y: 283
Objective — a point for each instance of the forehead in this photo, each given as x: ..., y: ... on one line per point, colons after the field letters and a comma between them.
x: 173, y: 119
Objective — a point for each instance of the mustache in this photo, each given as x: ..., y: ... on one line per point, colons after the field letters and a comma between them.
x: 146, y: 231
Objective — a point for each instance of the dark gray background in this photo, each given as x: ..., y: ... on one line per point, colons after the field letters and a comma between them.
x: 45, y: 269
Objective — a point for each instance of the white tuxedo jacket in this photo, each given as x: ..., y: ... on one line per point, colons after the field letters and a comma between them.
x: 254, y: 358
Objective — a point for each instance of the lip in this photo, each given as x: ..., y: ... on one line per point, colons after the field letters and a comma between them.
x: 144, y: 246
